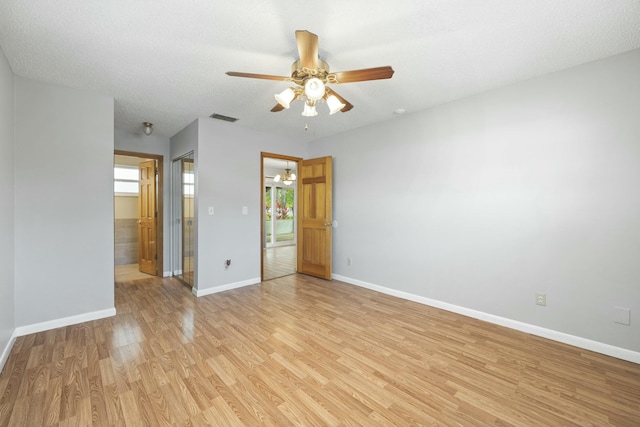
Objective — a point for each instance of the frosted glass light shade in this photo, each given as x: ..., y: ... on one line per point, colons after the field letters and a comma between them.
x: 276, y: 178
x: 334, y: 104
x: 309, y: 110
x: 314, y: 89
x: 285, y: 97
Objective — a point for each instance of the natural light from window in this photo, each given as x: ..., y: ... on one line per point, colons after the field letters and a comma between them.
x: 126, y: 180
x: 188, y: 179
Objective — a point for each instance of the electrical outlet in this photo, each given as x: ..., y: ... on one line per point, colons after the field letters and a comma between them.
x: 541, y: 299
x: 622, y: 315
x: 348, y: 261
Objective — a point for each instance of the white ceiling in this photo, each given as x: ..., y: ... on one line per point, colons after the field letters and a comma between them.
x: 164, y: 61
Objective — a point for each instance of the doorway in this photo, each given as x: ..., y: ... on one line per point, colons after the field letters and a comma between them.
x: 278, y: 216
x: 130, y: 240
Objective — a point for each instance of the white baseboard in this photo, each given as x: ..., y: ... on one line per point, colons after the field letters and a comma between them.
x: 65, y: 321
x: 166, y: 274
x: 7, y: 349
x: 222, y: 288
x: 598, y: 347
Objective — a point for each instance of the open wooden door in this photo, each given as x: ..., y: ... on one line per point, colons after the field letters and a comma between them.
x: 314, y: 217
x: 147, y: 216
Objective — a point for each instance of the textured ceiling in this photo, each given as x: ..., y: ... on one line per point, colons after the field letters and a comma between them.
x: 164, y: 61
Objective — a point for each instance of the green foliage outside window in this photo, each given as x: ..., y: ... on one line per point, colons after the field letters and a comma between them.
x: 284, y: 203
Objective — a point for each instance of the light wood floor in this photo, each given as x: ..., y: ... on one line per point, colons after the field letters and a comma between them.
x: 279, y: 261
x: 301, y: 351
x: 129, y: 272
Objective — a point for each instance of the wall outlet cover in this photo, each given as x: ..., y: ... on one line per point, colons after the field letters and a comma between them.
x: 622, y: 315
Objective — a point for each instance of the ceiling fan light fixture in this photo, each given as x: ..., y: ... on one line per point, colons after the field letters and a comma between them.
x: 287, y: 177
x: 309, y: 110
x: 285, y: 97
x: 314, y: 89
x: 334, y: 104
x: 311, y: 75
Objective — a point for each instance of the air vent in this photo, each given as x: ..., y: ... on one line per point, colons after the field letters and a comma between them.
x: 221, y: 117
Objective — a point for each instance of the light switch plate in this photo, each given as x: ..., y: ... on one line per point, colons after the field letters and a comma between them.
x: 245, y: 210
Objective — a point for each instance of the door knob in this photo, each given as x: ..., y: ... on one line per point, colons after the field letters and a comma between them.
x: 327, y: 224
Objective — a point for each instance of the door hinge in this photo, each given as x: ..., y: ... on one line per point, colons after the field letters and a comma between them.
x: 156, y: 256
x: 156, y: 214
x: 156, y: 171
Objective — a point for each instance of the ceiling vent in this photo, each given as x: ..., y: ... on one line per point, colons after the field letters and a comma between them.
x: 221, y: 117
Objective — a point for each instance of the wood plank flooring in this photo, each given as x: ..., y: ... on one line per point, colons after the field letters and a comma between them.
x: 303, y: 351
x: 129, y: 272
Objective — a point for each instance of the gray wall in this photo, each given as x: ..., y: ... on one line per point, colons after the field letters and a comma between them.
x: 158, y: 145
x: 63, y: 202
x: 483, y: 202
x: 185, y: 141
x: 228, y: 178
x: 7, y: 205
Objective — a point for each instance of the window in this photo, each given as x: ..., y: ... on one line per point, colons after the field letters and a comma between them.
x: 188, y: 179
x: 126, y: 180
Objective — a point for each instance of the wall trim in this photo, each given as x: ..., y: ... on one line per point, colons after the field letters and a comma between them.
x: 65, y: 321
x: 587, y: 344
x: 167, y: 274
x: 222, y: 288
x: 7, y: 349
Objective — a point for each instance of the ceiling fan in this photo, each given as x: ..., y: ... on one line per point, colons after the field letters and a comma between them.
x: 311, y: 76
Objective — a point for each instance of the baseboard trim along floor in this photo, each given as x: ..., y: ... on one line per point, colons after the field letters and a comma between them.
x: 598, y: 347
x: 65, y: 321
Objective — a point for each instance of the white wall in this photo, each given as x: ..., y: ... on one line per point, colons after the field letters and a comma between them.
x: 483, y: 202
x: 7, y: 205
x: 63, y: 204
x: 228, y: 178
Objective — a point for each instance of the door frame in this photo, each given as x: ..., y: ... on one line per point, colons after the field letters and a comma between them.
x: 159, y: 203
x: 264, y: 155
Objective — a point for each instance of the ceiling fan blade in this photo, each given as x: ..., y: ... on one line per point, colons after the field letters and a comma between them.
x: 352, y: 76
x: 347, y: 105
x: 258, y: 76
x: 307, y: 49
